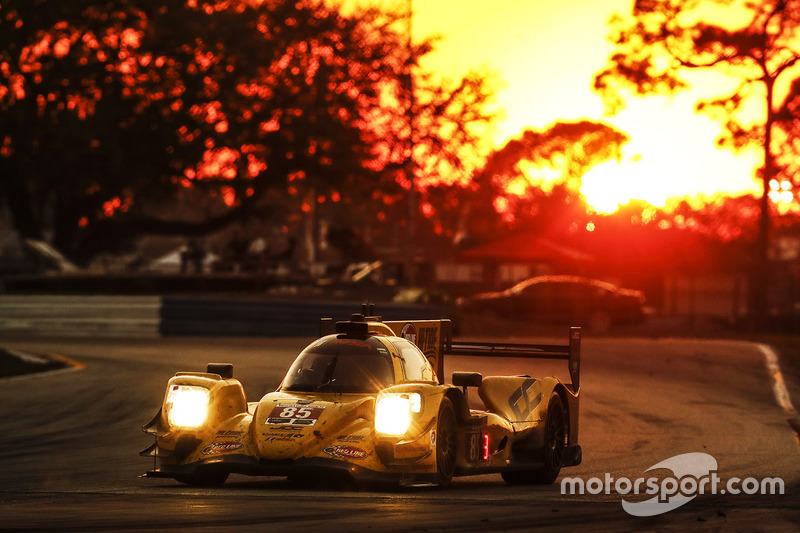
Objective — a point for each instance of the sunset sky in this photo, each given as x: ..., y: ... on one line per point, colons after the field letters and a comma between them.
x: 544, y: 55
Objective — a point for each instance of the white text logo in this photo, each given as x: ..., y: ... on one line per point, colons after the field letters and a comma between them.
x: 693, y: 474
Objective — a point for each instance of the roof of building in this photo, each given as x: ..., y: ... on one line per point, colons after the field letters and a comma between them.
x: 525, y: 248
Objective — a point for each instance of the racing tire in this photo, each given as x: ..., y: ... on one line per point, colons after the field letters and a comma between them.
x: 208, y: 478
x: 555, y: 445
x: 446, y: 443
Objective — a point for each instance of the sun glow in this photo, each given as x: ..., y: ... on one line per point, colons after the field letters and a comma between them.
x: 544, y: 56
x: 671, y: 155
x: 545, y: 70
x: 612, y: 184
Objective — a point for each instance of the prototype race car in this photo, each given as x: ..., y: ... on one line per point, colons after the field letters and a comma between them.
x: 368, y: 399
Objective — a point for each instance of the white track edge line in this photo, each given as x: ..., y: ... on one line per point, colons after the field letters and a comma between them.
x: 778, y: 383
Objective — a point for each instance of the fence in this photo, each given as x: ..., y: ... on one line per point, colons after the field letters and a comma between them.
x: 154, y: 316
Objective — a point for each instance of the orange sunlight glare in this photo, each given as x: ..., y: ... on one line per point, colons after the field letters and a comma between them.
x: 544, y: 55
x: 671, y: 155
x: 609, y: 185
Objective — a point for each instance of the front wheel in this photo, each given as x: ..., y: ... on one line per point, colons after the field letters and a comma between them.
x: 446, y: 443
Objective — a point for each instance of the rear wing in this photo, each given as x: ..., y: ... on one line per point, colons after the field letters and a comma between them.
x: 435, y: 339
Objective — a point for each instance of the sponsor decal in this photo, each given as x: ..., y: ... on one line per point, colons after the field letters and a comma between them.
x: 427, y: 340
x: 295, y: 415
x: 229, y: 433
x: 433, y: 438
x: 216, y: 448
x: 409, y: 333
x: 346, y: 452
x: 353, y: 343
x: 520, y: 401
x: 282, y: 438
x: 350, y: 438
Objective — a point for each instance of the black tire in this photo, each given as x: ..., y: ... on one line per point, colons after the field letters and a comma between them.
x: 204, y: 478
x: 555, y: 441
x: 555, y: 444
x: 446, y: 443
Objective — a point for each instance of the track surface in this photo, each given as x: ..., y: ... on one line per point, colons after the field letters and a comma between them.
x: 69, y: 462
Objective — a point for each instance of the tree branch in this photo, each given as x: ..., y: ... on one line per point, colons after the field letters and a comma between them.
x: 717, y: 61
x: 786, y: 65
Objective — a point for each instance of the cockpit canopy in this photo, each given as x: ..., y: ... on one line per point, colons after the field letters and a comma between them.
x: 345, y: 364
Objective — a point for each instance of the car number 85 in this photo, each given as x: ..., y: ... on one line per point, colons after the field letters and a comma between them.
x: 297, y: 415
x: 295, y: 412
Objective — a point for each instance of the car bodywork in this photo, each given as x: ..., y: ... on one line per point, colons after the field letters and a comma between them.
x: 368, y: 399
x: 562, y: 299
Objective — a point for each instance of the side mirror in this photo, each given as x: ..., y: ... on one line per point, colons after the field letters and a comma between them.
x: 467, y: 379
x: 224, y: 370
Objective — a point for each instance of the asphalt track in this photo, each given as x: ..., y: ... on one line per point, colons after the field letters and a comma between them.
x: 69, y: 461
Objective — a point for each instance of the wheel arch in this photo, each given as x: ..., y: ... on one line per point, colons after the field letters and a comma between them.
x: 569, y: 402
x: 459, y: 401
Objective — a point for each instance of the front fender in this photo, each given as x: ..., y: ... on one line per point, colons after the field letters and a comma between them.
x: 223, y: 431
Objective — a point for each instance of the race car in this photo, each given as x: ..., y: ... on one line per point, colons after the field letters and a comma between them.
x: 367, y: 399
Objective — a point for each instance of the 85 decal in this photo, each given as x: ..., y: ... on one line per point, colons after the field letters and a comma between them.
x: 295, y: 415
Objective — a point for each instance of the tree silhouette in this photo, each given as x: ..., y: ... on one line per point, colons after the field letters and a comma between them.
x: 512, y: 189
x: 124, y: 117
x: 754, y: 42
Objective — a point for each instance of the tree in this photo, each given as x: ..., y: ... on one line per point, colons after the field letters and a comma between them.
x: 126, y: 117
x: 753, y: 42
x: 532, y: 181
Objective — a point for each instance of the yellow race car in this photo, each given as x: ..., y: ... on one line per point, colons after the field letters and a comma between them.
x: 368, y: 400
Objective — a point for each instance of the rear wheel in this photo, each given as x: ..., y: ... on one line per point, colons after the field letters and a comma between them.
x: 555, y: 443
x: 446, y: 443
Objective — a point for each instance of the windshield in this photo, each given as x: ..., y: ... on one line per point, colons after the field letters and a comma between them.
x: 341, y: 364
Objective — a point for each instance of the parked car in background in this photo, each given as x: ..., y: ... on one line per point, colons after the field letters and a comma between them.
x: 570, y: 300
x: 30, y: 257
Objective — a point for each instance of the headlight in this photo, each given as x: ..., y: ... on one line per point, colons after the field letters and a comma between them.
x: 187, y: 406
x: 394, y: 412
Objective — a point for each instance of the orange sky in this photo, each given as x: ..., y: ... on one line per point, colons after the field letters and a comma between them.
x: 544, y: 54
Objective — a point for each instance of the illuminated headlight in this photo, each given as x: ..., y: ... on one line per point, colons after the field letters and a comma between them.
x: 394, y: 412
x: 187, y: 406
